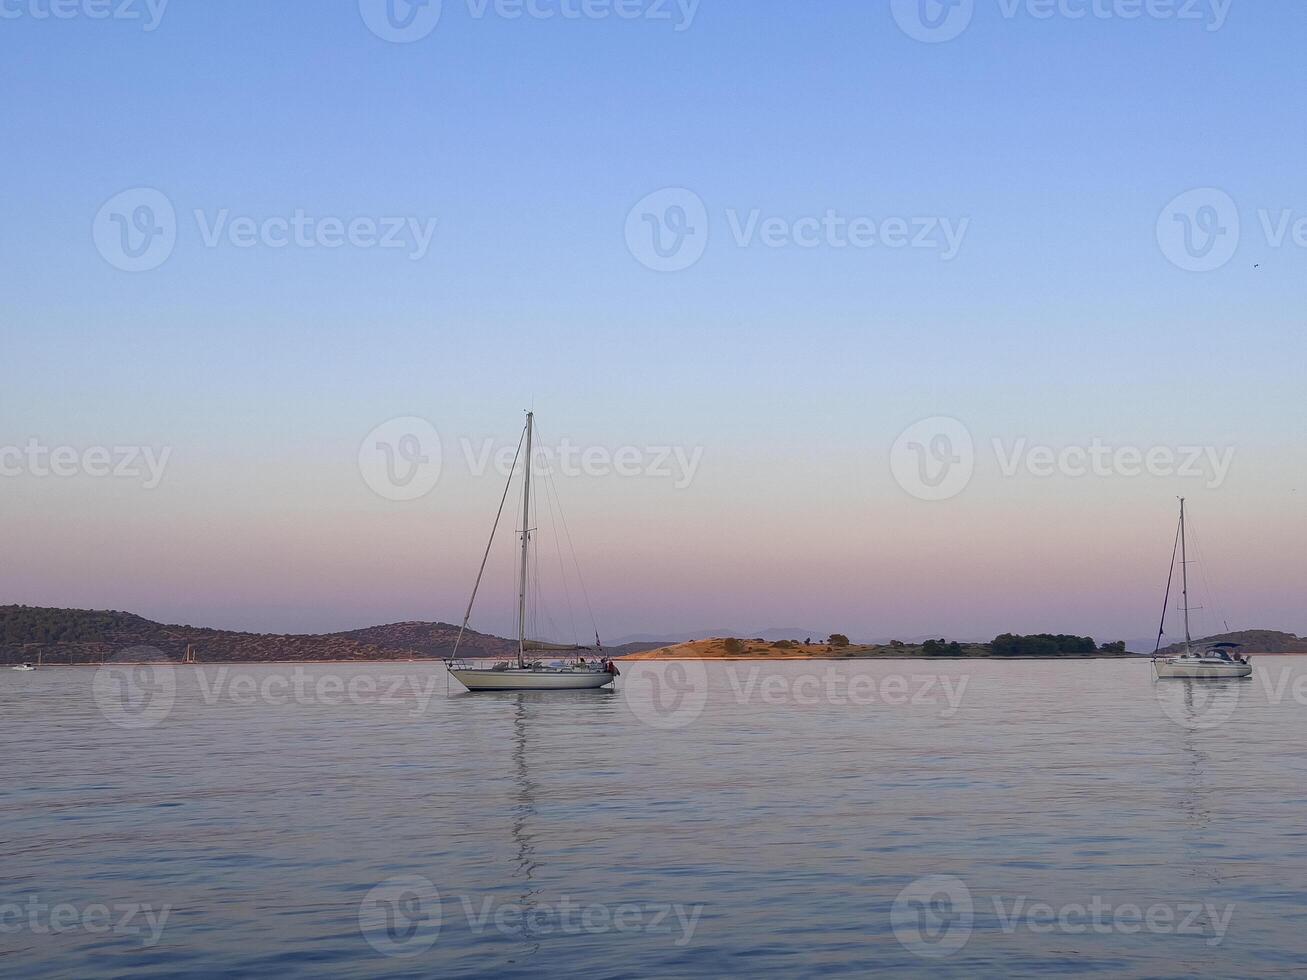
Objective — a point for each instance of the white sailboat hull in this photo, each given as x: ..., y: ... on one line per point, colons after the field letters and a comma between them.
x: 25, y: 667
x: 531, y: 680
x: 1198, y: 670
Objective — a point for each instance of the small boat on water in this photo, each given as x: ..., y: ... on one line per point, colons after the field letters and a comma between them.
x: 536, y: 676
x: 1216, y: 661
x: 25, y: 667
x: 529, y: 674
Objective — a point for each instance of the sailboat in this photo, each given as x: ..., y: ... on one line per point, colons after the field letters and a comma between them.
x: 1215, y: 660
x: 528, y: 674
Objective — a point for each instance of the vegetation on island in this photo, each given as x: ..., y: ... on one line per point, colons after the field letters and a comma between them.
x: 1050, y: 645
x: 838, y: 646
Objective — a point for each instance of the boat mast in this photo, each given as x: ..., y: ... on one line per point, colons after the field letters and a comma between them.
x: 526, y: 537
x: 1184, y: 579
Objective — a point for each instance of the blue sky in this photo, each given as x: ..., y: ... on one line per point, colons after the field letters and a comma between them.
x: 528, y: 141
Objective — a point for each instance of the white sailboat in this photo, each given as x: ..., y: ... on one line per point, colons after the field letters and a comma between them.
x: 1215, y: 660
x: 528, y: 674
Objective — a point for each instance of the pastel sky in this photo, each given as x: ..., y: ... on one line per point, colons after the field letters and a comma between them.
x: 1064, y: 313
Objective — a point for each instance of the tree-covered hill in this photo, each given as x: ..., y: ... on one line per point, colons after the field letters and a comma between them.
x: 64, y: 636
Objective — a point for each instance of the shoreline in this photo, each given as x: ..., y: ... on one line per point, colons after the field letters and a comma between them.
x: 619, y: 660
x: 632, y: 659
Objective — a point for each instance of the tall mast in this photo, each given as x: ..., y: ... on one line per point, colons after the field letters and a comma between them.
x: 526, y: 537
x: 1184, y: 579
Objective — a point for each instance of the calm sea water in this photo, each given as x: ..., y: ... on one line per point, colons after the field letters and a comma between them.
x: 782, y: 819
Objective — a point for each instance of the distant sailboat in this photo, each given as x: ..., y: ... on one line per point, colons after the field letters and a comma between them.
x: 528, y: 674
x: 1215, y: 660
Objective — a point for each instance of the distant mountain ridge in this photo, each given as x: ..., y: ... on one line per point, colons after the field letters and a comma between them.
x: 1250, y: 641
x: 64, y: 636
x: 87, y: 636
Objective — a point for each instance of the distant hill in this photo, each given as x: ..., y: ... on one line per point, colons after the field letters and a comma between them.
x: 429, y: 640
x: 61, y: 636
x: 437, y: 640
x: 67, y: 636
x: 651, y: 641
x: 1252, y: 641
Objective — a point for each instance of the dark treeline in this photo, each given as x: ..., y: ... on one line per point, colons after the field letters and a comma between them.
x: 1050, y: 645
x: 31, y: 624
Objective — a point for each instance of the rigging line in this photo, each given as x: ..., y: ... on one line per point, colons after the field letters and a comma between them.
x: 517, y: 554
x: 546, y: 625
x: 484, y: 558
x: 539, y: 608
x: 525, y: 559
x: 543, y: 614
x: 1217, y: 610
x: 551, y: 499
x: 579, y: 577
x: 1166, y: 600
x: 560, y: 637
x: 535, y: 598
